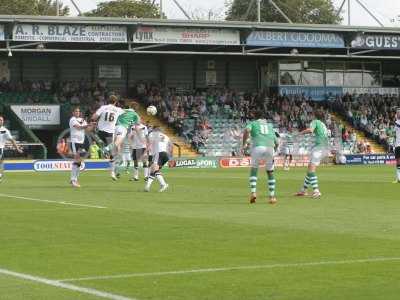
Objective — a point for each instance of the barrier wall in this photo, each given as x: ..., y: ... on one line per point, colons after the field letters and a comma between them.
x: 52, y: 165
x: 370, y: 159
x: 192, y: 163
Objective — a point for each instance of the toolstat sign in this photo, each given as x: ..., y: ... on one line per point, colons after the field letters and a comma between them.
x: 70, y: 33
x: 51, y: 165
x: 296, y: 39
x: 54, y: 165
x: 38, y: 115
x: 193, y: 36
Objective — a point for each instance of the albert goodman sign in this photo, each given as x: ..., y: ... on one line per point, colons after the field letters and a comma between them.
x: 295, y: 39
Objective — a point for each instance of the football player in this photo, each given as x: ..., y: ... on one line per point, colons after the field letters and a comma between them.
x: 5, y: 136
x: 160, y: 152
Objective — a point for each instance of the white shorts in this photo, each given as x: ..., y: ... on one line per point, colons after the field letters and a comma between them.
x: 288, y: 150
x: 318, y: 154
x: 77, y: 148
x: 120, y: 131
x: 263, y: 153
x: 126, y: 157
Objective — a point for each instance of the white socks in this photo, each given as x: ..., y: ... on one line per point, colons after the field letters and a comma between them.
x: 74, y: 172
x: 160, y: 179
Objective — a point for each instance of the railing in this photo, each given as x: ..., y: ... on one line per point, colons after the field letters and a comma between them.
x: 179, y: 149
x: 30, y: 151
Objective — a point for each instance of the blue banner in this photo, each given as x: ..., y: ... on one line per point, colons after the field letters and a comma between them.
x: 52, y: 165
x: 295, y: 39
x: 316, y: 93
x: 370, y: 159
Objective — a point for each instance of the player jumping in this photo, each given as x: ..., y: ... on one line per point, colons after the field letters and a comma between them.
x: 318, y: 153
x: 160, y: 151
x: 264, y: 139
x: 106, y: 117
x: 397, y: 146
x: 5, y: 136
x: 125, y: 122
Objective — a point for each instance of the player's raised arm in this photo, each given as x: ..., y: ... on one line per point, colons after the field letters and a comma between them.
x: 96, y: 115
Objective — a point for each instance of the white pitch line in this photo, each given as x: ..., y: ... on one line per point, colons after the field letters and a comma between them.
x: 66, y: 286
x: 224, y: 269
x: 51, y: 201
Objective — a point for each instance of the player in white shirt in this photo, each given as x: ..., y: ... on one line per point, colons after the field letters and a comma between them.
x: 397, y: 145
x: 77, y: 126
x: 160, y: 150
x: 139, y: 153
x: 5, y: 136
x: 106, y: 117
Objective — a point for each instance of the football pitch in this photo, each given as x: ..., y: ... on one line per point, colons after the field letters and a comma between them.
x: 200, y: 239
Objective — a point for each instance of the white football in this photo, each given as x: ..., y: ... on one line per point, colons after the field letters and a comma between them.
x: 151, y: 110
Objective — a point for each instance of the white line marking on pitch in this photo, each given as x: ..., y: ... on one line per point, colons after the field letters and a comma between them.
x: 66, y: 286
x: 209, y: 270
x: 50, y: 201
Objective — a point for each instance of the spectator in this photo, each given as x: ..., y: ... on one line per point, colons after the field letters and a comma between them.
x: 94, y: 150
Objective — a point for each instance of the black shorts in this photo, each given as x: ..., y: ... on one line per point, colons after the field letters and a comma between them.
x: 162, y: 159
x: 78, y: 148
x: 397, y: 152
x: 105, y: 137
x: 138, y: 154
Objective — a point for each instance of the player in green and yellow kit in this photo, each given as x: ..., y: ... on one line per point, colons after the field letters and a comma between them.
x: 264, y: 140
x: 125, y: 122
x: 320, y: 150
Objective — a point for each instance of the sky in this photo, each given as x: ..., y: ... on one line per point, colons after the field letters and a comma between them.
x: 385, y: 10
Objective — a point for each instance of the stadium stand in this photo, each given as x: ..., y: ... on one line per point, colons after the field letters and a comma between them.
x: 212, y: 120
x: 372, y: 114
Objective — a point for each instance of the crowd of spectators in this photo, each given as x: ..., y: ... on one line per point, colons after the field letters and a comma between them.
x: 287, y: 112
x: 373, y: 114
x: 69, y: 92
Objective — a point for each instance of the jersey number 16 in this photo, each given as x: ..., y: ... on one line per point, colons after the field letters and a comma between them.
x: 109, y: 117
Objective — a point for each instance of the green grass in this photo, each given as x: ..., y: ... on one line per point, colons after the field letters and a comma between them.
x: 203, y: 221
